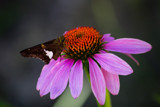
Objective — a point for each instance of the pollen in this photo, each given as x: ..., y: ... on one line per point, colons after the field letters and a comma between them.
x: 82, y: 42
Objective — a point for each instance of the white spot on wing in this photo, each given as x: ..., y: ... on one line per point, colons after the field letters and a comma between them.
x: 49, y: 53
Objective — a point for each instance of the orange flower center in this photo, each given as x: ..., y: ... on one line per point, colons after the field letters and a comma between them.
x: 82, y: 42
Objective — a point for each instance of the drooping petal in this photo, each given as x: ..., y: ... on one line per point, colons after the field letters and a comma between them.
x: 128, y: 45
x: 107, y: 37
x: 60, y: 80
x: 113, y: 64
x: 97, y: 81
x: 76, y: 79
x: 47, y: 81
x: 112, y: 82
x: 45, y: 70
x: 136, y: 61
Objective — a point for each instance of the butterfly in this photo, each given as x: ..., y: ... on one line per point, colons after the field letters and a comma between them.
x: 45, y: 51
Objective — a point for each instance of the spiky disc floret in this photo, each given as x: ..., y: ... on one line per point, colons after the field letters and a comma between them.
x: 82, y: 42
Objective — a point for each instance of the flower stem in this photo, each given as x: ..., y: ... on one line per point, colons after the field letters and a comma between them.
x: 86, y: 68
x: 108, y: 100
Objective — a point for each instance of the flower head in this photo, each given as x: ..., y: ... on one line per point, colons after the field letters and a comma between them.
x: 86, y: 43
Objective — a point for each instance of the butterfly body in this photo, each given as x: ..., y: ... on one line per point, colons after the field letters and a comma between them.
x: 46, y: 51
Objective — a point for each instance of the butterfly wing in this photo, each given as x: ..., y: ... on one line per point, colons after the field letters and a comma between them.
x: 53, y: 47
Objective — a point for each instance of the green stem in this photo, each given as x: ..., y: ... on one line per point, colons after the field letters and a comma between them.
x: 107, y: 102
x: 86, y: 68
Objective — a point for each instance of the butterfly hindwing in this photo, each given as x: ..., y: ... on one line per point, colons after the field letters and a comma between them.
x: 45, y: 51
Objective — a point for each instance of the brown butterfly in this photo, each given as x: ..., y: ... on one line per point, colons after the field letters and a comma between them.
x: 45, y: 51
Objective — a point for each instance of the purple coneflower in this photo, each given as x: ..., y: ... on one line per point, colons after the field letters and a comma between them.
x: 87, y: 44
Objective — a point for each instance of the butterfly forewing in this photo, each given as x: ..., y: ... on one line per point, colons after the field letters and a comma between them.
x: 53, y: 47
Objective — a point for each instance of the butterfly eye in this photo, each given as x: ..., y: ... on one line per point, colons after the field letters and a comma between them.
x: 43, y: 46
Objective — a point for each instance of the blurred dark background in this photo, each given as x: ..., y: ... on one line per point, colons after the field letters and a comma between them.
x: 25, y: 23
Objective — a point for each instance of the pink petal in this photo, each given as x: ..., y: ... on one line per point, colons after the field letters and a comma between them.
x: 45, y: 70
x: 76, y: 79
x: 47, y: 81
x: 97, y: 81
x: 102, y: 51
x: 129, y: 55
x: 60, y: 80
x: 113, y: 64
x: 107, y: 38
x: 112, y: 82
x: 128, y: 45
x: 65, y: 32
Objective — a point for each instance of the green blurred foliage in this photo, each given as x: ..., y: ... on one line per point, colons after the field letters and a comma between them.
x: 4, y: 103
